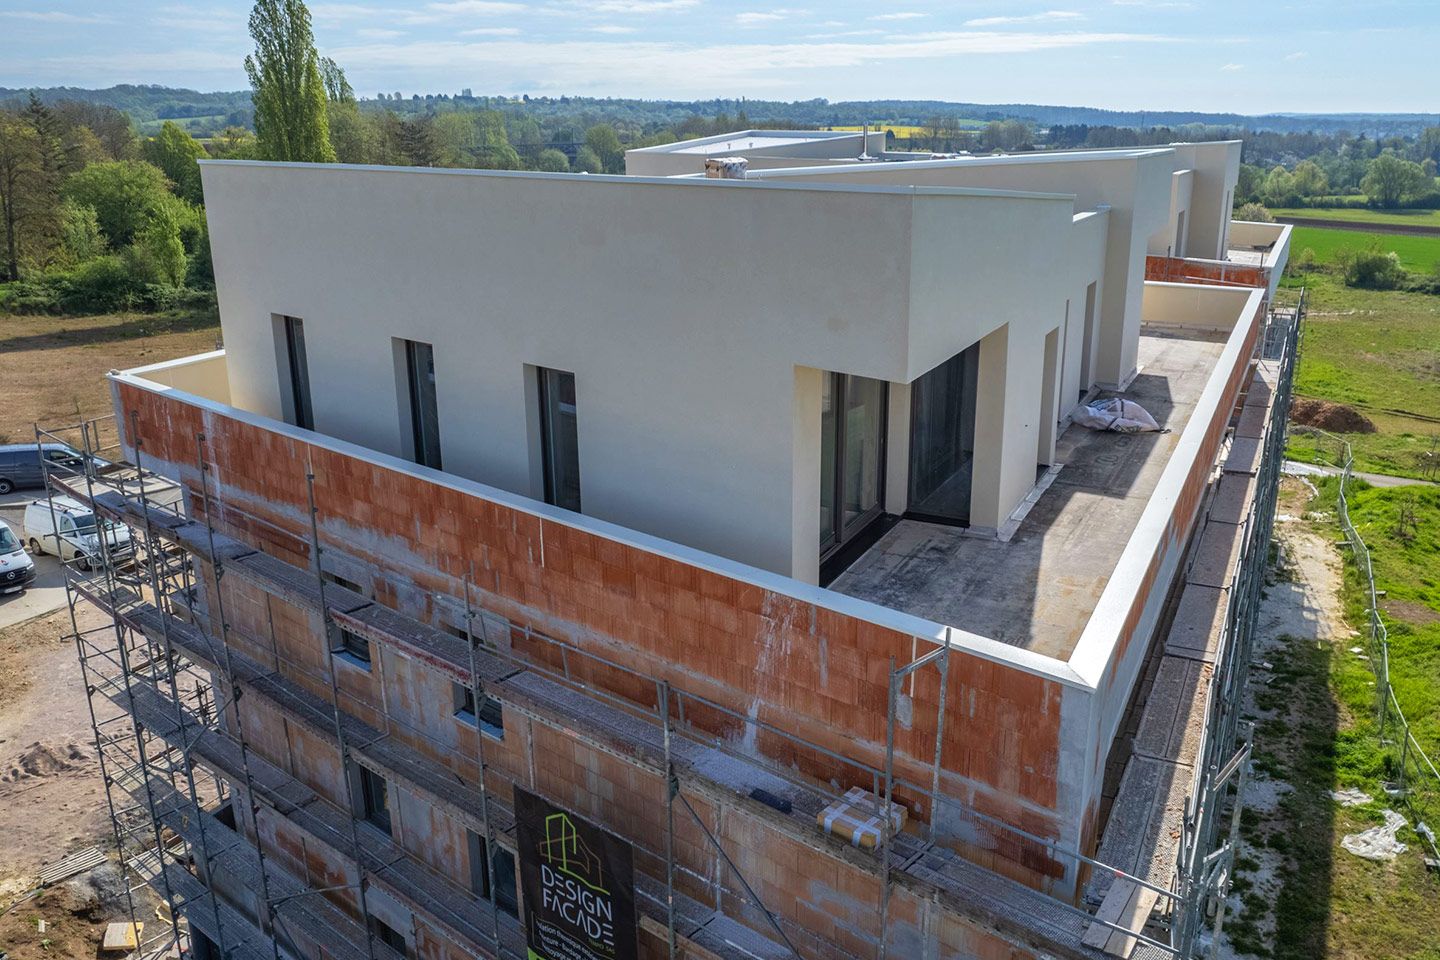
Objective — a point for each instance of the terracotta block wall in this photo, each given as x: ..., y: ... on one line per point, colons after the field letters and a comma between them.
x: 807, y: 669
x: 1181, y: 270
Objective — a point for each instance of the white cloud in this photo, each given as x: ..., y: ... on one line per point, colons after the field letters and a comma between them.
x: 684, y: 69
x: 482, y: 7
x: 52, y: 16
x: 1048, y: 15
x: 1297, y: 55
x: 843, y: 33
x: 491, y: 32
x: 379, y: 33
x: 755, y: 17
x: 1232, y: 68
x: 1155, y: 4
x: 637, y: 6
x: 611, y: 28
x: 903, y: 15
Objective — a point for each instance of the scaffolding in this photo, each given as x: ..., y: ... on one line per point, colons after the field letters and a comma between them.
x: 187, y: 793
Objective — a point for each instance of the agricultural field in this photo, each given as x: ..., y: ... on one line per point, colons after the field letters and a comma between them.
x: 1418, y: 218
x: 1376, y: 354
x: 1418, y: 254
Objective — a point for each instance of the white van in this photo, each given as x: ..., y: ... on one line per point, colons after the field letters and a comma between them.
x: 79, y: 532
x: 16, y: 567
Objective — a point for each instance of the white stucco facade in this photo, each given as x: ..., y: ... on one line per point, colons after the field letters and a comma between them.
x: 700, y: 318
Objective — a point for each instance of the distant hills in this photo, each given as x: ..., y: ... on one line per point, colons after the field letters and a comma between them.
x: 149, y: 104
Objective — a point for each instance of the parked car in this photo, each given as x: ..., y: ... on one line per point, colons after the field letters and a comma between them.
x: 79, y: 532
x: 16, y: 567
x: 20, y: 464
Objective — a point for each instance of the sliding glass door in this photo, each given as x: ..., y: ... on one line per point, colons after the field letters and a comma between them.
x: 942, y: 439
x: 852, y: 457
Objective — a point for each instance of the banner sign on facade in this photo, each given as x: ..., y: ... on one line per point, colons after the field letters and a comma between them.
x: 579, y: 885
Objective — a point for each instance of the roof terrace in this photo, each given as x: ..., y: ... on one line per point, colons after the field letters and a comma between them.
x: 1039, y: 589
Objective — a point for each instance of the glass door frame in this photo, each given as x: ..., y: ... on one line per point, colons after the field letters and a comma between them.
x: 845, y: 534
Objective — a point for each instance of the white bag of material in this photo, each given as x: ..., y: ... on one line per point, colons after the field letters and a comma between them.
x: 1377, y: 843
x: 1117, y: 414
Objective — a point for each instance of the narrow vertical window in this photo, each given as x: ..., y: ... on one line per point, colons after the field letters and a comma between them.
x: 375, y: 799
x: 300, y: 410
x: 424, y: 412
x: 559, y: 439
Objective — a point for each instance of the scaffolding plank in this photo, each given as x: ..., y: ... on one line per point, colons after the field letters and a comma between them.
x: 1199, y: 622
x: 1174, y: 714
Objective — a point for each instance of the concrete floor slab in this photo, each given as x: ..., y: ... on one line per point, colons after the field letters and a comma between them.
x: 1038, y: 590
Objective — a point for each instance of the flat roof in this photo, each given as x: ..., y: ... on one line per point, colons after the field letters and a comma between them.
x: 748, y: 140
x: 1039, y: 590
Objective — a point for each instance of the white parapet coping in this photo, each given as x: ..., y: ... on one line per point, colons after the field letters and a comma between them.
x: 151, y: 379
x: 1095, y: 650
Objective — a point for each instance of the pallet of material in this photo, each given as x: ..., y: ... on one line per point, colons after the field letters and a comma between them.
x: 859, y: 816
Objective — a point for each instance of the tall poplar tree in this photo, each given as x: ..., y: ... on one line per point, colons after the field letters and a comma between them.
x: 289, y: 94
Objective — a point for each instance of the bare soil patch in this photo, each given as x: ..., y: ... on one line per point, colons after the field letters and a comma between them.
x: 1410, y: 611
x: 52, y: 800
x: 1329, y: 416
x: 55, y: 366
x: 74, y: 913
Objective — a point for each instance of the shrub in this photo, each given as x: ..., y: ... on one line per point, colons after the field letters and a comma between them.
x: 98, y: 285
x: 1374, y: 270
x: 1255, y: 212
x: 1305, y: 261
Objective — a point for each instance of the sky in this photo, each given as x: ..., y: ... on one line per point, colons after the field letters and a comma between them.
x: 1322, y: 56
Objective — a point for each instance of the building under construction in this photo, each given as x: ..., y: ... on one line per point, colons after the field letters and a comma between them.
x: 561, y: 566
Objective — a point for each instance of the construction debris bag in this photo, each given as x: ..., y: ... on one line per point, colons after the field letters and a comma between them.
x: 1117, y: 414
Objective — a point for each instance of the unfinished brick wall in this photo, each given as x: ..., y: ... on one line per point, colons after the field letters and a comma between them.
x: 812, y: 671
x: 1219, y: 273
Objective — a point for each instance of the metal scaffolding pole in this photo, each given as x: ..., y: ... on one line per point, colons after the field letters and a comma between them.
x: 476, y: 692
x: 217, y: 570
x: 187, y: 741
x: 328, y: 625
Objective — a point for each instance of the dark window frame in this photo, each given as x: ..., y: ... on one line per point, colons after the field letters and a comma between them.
x: 844, y: 534
x: 375, y: 800
x: 302, y: 410
x: 424, y: 403
x: 547, y: 437
x: 391, y: 937
x: 491, y: 719
x: 352, y: 648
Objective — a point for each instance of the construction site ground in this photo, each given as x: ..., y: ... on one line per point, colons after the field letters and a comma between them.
x: 1298, y: 893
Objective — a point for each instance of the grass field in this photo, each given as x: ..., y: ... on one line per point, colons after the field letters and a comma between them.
x: 55, y: 366
x: 1379, y: 352
x: 1419, y: 254
x: 1405, y: 554
x: 1422, y: 218
x: 1316, y: 732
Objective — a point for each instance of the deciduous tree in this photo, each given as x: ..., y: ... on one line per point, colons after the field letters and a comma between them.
x: 1389, y: 180
x: 288, y: 91
x: 175, y: 152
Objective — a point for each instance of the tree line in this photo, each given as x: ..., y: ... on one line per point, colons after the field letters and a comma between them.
x: 94, y: 218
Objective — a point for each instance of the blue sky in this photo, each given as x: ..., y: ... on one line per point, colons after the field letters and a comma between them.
x: 1249, y: 57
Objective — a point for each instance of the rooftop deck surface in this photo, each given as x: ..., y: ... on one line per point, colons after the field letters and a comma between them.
x: 1038, y: 590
